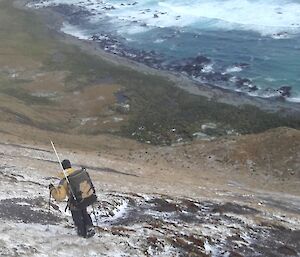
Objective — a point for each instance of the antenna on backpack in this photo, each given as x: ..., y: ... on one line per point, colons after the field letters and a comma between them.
x: 63, y: 171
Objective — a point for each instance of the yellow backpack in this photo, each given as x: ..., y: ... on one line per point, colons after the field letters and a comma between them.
x: 82, y: 190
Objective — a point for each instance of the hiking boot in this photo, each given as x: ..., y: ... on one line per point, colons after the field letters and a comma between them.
x: 80, y: 232
x: 90, y: 232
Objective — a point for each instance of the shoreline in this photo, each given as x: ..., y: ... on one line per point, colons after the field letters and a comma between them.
x: 54, y: 21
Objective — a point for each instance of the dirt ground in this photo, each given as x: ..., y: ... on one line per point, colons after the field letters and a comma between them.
x: 200, y: 199
x: 268, y: 161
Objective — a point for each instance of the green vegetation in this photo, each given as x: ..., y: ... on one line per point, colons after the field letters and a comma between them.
x: 24, y: 96
x: 158, y: 110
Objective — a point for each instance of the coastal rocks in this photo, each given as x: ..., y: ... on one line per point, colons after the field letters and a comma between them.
x: 190, y: 66
x: 200, y: 68
x: 115, y: 46
x: 129, y: 4
x: 109, y: 8
x: 242, y: 82
x: 75, y: 15
x: 285, y: 91
x: 108, y: 43
x: 252, y: 88
x: 281, y: 35
x: 246, y: 84
x: 282, y: 92
x: 215, y: 76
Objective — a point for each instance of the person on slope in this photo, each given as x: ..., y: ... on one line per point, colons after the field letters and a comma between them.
x: 81, y: 218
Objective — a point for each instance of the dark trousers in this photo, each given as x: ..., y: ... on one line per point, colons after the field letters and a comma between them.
x: 82, y: 221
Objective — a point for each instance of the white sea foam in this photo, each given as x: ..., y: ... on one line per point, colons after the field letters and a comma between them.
x: 208, y: 68
x: 233, y: 69
x: 295, y: 99
x: 270, y: 94
x: 133, y: 30
x: 158, y: 41
x: 264, y: 16
x: 75, y: 31
x: 276, y: 18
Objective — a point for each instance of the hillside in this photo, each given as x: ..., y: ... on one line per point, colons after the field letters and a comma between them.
x: 149, y: 207
x: 177, y: 172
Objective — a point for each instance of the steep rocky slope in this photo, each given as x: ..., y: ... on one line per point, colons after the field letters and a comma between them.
x: 141, y: 210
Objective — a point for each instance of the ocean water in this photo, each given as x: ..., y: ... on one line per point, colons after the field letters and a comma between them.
x: 252, y: 46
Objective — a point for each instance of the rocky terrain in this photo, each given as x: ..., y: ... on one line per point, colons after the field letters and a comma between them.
x: 176, y: 174
x: 190, y: 200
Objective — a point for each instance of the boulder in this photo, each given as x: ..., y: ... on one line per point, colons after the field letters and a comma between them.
x: 285, y: 91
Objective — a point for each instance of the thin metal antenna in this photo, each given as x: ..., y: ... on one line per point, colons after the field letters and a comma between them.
x: 63, y: 171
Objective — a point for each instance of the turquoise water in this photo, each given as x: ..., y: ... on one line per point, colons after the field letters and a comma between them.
x: 254, y: 39
x: 272, y: 63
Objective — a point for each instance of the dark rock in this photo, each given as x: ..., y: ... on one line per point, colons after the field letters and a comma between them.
x: 95, y: 38
x: 287, y: 251
x: 242, y: 82
x: 32, y: 212
x: 235, y: 254
x: 270, y: 91
x: 109, y: 8
x: 215, y: 76
x: 284, y: 33
x: 202, y: 59
x: 74, y: 14
x: 252, y: 88
x: 242, y: 65
x: 190, y: 66
x: 234, y: 208
x: 285, y: 91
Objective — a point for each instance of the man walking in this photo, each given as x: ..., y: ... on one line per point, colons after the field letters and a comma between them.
x: 80, y: 193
